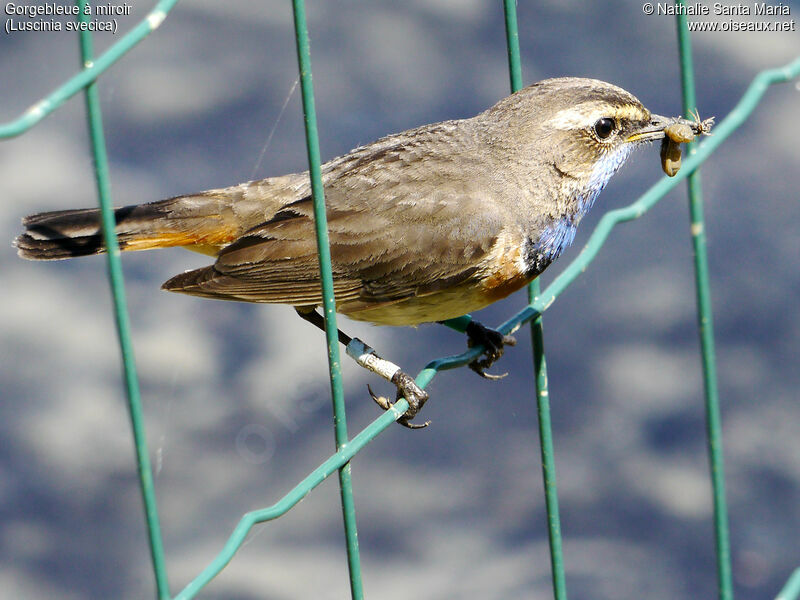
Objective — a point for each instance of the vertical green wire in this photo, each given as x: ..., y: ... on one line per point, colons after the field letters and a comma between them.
x: 329, y: 306
x: 512, y: 45
x: 121, y: 315
x: 539, y: 362
x: 706, y: 330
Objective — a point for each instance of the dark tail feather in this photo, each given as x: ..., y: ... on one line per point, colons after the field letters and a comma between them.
x: 63, y: 234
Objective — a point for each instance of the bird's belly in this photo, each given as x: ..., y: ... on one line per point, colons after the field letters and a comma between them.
x: 437, y: 306
x: 502, y: 272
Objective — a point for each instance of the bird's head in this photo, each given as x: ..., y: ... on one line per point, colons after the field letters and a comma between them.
x: 570, y: 136
x: 577, y: 132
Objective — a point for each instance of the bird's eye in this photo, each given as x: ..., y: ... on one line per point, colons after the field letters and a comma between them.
x: 604, y: 127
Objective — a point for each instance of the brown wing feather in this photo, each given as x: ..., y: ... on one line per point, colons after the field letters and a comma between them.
x: 402, y: 222
x: 208, y: 282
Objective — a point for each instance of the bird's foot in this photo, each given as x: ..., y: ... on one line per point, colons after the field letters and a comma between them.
x: 493, y: 343
x: 415, y: 396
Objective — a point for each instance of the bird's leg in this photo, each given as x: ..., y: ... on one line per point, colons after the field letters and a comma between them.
x: 493, y: 343
x: 366, y: 357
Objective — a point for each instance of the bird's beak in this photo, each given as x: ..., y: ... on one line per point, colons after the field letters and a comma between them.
x: 654, y: 130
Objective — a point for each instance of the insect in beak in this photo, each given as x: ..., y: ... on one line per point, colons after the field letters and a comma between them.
x: 672, y: 131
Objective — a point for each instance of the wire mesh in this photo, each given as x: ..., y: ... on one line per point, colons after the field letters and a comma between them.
x: 539, y: 301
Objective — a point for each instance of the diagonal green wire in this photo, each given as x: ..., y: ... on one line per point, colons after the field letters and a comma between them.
x: 291, y: 499
x: 328, y: 304
x: 790, y: 591
x: 539, y: 362
x: 706, y: 330
x: 49, y: 103
x: 95, y: 122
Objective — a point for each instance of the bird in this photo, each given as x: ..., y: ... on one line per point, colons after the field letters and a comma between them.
x: 424, y: 225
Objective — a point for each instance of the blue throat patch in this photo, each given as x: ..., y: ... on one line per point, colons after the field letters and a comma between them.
x: 560, y: 233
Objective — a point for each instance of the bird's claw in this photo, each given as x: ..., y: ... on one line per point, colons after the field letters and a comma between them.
x: 479, y: 365
x: 415, y: 396
x: 493, y: 343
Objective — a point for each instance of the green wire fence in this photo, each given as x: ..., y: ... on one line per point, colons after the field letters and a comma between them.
x: 538, y: 302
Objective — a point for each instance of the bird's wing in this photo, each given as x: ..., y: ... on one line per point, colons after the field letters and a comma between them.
x: 403, y: 220
x: 376, y: 256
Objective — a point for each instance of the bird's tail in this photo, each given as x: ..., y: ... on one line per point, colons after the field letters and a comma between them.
x: 204, y: 223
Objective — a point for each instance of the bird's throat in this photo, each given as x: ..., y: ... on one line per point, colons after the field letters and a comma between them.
x: 559, y: 233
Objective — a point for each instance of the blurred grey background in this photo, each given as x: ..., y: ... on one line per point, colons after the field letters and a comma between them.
x: 236, y: 396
